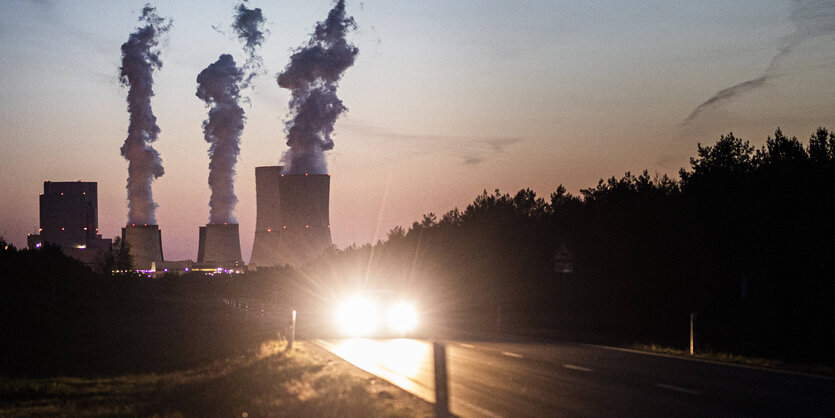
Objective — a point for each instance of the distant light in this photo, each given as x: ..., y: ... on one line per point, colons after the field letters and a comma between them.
x: 186, y: 268
x: 40, y: 229
x: 269, y: 230
x: 62, y: 193
x: 62, y: 228
x: 84, y: 193
x: 285, y: 226
x: 165, y: 270
x: 224, y: 223
x: 85, y: 228
x: 81, y: 246
x: 38, y: 245
x: 304, y: 174
x: 307, y: 226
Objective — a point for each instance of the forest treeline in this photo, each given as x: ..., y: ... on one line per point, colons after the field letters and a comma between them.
x: 743, y: 238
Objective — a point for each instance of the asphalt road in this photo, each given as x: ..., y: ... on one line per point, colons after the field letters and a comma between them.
x: 553, y: 380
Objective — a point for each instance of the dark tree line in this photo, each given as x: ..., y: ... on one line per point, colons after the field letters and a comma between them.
x: 744, y: 237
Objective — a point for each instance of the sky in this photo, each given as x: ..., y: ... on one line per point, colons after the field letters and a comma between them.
x: 445, y: 100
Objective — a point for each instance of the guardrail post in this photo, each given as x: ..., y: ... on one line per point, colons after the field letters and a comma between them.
x: 292, y: 333
x: 441, y: 389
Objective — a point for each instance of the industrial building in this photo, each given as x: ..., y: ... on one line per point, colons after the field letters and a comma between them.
x: 69, y: 219
x: 293, y: 220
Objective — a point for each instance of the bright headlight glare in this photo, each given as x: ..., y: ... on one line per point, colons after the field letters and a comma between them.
x: 402, y: 317
x: 358, y: 317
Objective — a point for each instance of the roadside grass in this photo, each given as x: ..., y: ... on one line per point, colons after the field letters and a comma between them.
x: 732, y: 358
x: 267, y: 381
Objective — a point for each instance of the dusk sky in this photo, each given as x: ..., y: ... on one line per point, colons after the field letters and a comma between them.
x: 446, y: 99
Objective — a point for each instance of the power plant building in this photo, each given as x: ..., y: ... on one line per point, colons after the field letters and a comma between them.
x: 69, y: 219
x: 293, y: 218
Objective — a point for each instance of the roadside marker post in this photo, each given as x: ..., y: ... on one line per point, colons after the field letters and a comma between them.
x: 692, y: 333
x: 292, y: 333
x: 441, y: 389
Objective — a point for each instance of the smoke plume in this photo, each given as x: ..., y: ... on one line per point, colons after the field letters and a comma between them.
x: 140, y: 57
x: 219, y: 85
x: 313, y: 76
x: 811, y: 18
x: 249, y: 28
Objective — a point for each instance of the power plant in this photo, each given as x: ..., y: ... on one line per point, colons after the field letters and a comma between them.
x: 293, y: 218
x: 219, y: 245
x: 69, y: 218
x: 145, y: 243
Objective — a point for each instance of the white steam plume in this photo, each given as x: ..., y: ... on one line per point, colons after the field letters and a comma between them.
x: 219, y: 86
x: 140, y: 57
x: 313, y: 76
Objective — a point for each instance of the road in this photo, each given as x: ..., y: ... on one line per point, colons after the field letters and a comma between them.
x: 574, y: 380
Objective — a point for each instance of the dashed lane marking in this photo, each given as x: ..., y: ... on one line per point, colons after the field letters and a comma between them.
x: 514, y: 355
x: 580, y: 368
x: 679, y: 389
x: 467, y: 345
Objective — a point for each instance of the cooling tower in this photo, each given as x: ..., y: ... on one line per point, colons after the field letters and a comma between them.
x: 219, y: 244
x: 292, y: 224
x: 305, y: 222
x: 145, y: 244
x: 268, y: 218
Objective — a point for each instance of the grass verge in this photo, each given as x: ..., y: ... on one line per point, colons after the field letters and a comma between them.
x: 732, y: 358
x: 267, y: 381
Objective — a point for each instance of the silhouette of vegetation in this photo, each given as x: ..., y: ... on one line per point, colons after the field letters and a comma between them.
x: 743, y: 237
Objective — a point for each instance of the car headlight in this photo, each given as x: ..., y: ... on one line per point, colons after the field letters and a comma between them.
x: 358, y: 317
x: 402, y: 317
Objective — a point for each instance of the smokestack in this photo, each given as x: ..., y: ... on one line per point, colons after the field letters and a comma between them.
x: 145, y: 244
x: 293, y: 222
x: 219, y: 244
x: 140, y: 57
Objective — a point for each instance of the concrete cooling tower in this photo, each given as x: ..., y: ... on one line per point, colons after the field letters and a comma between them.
x: 145, y: 245
x: 219, y: 244
x: 293, y: 218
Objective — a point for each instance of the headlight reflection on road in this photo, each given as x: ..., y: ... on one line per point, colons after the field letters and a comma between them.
x: 398, y: 361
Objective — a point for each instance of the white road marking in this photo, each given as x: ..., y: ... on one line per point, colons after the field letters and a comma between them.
x: 481, y: 411
x: 679, y: 389
x: 467, y: 345
x: 573, y: 367
x: 514, y: 355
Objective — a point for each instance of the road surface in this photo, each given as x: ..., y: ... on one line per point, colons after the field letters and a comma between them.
x: 513, y: 380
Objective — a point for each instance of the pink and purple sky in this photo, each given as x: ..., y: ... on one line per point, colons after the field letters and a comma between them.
x: 446, y: 99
